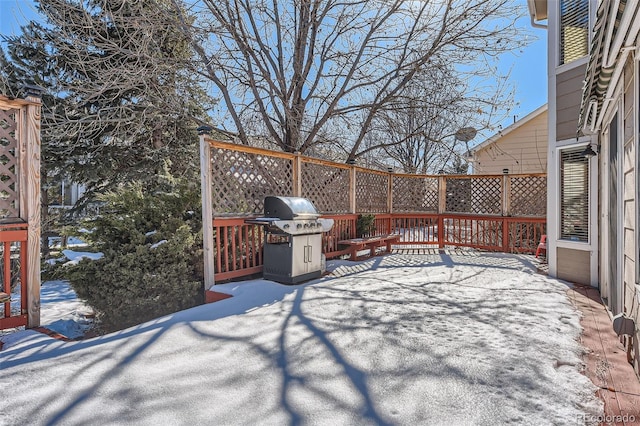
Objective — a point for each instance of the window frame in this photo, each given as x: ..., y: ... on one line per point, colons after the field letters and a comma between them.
x: 559, y: 48
x: 588, y: 203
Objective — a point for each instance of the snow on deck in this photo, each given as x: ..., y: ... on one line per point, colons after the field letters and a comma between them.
x: 440, y: 339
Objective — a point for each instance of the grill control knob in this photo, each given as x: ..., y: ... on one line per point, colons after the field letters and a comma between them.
x: 286, y: 226
x: 306, y: 225
x: 299, y: 226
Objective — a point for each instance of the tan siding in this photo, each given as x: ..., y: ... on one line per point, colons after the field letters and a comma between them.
x: 574, y: 265
x: 568, y: 97
x: 629, y: 277
x: 523, y: 150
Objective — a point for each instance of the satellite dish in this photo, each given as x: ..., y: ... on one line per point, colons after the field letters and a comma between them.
x: 466, y: 134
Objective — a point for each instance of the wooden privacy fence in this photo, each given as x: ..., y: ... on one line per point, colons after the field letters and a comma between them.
x: 20, y: 210
x: 491, y: 212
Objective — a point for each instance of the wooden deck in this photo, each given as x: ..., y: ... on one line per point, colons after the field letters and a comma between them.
x: 606, y: 360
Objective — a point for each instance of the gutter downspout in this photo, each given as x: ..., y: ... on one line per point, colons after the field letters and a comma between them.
x: 531, y: 5
x: 535, y: 24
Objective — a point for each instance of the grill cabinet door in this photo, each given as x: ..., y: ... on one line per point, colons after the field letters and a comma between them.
x: 307, y: 254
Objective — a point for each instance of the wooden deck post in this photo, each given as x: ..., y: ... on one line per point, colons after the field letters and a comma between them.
x: 390, y: 194
x: 506, y: 207
x: 207, y: 210
x: 297, y: 175
x: 352, y: 189
x: 30, y: 201
x: 442, y: 208
x: 506, y: 195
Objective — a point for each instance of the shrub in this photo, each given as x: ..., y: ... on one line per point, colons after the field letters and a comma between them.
x: 365, y: 225
x: 152, y: 262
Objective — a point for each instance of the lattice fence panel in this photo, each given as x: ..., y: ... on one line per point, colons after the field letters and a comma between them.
x: 474, y: 195
x: 327, y: 187
x: 8, y: 164
x: 415, y: 194
x: 371, y: 192
x: 528, y: 196
x: 242, y: 181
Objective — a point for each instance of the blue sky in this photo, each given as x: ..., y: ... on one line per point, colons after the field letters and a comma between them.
x: 528, y: 70
x: 13, y: 13
x: 528, y: 67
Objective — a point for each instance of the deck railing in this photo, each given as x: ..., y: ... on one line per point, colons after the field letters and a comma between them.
x: 13, y: 240
x: 238, y: 246
x: 20, y: 208
x: 490, y: 212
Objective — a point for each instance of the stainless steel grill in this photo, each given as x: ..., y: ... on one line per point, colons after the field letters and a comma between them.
x: 293, y: 239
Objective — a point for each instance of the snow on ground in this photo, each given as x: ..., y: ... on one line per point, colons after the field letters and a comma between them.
x: 61, y: 311
x: 442, y: 339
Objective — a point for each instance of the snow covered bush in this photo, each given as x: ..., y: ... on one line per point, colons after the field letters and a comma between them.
x: 152, y: 262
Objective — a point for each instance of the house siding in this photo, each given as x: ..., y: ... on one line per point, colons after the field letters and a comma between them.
x: 523, y: 150
x: 574, y: 265
x: 569, y: 94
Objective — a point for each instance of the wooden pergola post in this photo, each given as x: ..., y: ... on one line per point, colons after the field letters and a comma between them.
x: 506, y: 210
x: 442, y: 208
x: 29, y: 143
x: 352, y: 190
x: 207, y: 209
x: 297, y: 175
x: 390, y: 193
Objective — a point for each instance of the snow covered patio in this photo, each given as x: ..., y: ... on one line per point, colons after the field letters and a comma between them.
x: 446, y: 338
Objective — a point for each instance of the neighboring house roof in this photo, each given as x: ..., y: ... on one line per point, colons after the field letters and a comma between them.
x: 502, y: 133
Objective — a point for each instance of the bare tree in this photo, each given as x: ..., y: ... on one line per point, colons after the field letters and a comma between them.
x: 419, y: 131
x: 308, y: 67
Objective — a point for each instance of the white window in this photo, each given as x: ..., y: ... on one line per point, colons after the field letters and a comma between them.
x: 574, y: 30
x: 574, y: 195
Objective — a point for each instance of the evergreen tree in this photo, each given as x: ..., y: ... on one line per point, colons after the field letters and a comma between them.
x: 124, y: 106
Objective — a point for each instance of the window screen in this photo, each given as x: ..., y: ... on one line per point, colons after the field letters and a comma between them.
x: 574, y: 195
x: 574, y: 30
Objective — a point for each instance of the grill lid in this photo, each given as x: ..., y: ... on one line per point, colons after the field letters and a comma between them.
x: 289, y: 208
